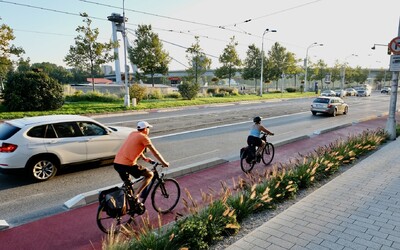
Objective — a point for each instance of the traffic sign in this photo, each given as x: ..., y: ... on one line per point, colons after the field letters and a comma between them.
x: 394, y: 63
x: 394, y: 45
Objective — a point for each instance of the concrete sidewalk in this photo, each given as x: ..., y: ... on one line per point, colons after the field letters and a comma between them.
x: 360, y: 209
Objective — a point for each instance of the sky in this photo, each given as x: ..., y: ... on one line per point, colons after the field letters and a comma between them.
x: 348, y: 29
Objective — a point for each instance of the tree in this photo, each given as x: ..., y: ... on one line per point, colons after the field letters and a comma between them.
x: 198, y: 61
x: 252, y: 63
x: 230, y: 62
x: 336, y: 72
x: 24, y: 65
x: 320, y: 71
x: 383, y: 76
x: 32, y: 91
x: 88, y: 54
x: 359, y: 75
x: 280, y: 62
x: 148, y: 54
x: 7, y: 50
x: 59, y: 73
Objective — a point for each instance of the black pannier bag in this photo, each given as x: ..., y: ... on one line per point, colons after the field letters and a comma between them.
x: 243, y: 152
x: 251, y: 154
x: 114, y: 201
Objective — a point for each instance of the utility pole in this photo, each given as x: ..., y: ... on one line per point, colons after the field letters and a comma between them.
x: 391, y: 122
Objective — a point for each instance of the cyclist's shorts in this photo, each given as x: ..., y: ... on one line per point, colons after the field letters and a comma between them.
x: 252, y: 140
x: 124, y: 171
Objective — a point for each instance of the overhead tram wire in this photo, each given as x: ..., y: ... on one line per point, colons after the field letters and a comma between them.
x: 180, y: 32
x: 48, y: 9
x: 267, y: 15
x: 150, y: 14
x: 103, y: 19
x: 175, y: 44
x: 167, y: 17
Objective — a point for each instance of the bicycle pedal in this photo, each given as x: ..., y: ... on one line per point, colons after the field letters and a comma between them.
x: 140, y: 208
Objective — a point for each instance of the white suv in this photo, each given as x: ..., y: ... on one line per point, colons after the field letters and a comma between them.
x: 40, y: 145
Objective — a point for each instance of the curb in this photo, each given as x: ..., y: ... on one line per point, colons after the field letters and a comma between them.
x: 3, y: 225
x: 92, y: 196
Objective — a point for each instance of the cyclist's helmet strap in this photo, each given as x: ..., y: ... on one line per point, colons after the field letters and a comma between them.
x: 257, y: 119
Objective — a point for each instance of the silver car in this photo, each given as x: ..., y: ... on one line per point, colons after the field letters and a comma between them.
x: 329, y: 105
x: 39, y: 146
x: 328, y: 93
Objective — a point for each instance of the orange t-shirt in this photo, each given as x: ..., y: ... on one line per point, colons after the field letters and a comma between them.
x: 132, y: 148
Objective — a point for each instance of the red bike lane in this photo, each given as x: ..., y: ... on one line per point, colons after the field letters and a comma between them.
x: 77, y: 228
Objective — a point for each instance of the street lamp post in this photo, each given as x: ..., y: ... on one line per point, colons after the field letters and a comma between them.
x: 126, y: 100
x: 344, y: 70
x: 262, y: 59
x: 306, y: 62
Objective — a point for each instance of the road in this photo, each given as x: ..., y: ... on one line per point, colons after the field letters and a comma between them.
x: 184, y: 136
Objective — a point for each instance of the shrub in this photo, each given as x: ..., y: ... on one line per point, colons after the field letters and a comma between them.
x: 245, y: 203
x: 188, y: 90
x: 91, y: 96
x: 32, y: 91
x: 191, y: 232
x: 174, y: 95
x: 212, y: 91
x: 221, y: 94
x: 154, y: 94
x: 137, y: 91
x: 290, y: 90
x: 229, y: 90
x: 220, y: 221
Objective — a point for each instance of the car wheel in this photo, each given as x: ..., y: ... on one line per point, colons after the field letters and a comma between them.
x: 346, y: 110
x: 334, y: 113
x: 314, y: 113
x: 42, y: 168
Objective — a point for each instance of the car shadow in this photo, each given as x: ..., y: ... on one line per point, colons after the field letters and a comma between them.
x: 17, y: 180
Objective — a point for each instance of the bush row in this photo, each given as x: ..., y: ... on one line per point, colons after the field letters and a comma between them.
x: 256, y: 192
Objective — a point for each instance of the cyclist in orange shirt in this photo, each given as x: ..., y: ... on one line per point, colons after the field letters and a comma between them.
x: 125, y: 162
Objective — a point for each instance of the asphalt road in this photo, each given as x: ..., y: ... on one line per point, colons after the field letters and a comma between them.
x: 183, y: 136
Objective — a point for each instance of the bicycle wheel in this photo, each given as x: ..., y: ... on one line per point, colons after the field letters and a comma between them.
x: 109, y: 224
x: 268, y: 153
x: 165, y: 195
x: 245, y: 165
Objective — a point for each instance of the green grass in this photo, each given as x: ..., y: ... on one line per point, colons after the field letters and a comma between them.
x: 90, y: 108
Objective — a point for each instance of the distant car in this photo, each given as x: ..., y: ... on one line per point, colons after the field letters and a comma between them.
x: 340, y: 92
x: 351, y: 92
x: 363, y: 92
x: 328, y: 93
x: 386, y: 90
x: 329, y: 105
x: 40, y: 145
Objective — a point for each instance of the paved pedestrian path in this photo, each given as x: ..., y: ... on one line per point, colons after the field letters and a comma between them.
x: 360, y: 209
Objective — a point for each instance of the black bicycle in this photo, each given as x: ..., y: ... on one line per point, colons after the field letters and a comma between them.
x: 165, y: 195
x: 248, y: 157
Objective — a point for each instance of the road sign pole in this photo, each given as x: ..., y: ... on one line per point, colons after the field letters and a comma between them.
x: 391, y: 122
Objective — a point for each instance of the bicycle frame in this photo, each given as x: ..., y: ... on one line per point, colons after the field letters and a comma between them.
x: 156, y: 178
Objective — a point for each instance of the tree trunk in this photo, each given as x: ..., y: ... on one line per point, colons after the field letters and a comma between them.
x: 92, y: 73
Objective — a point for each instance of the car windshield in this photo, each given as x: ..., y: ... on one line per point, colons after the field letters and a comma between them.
x: 322, y: 100
x: 7, y: 130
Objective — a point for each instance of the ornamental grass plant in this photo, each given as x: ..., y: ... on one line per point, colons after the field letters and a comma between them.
x: 219, y: 216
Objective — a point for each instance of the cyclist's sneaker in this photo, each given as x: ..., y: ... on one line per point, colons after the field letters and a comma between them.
x: 138, y: 205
